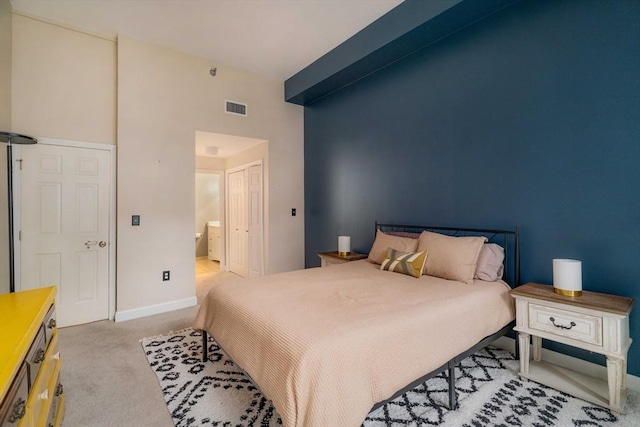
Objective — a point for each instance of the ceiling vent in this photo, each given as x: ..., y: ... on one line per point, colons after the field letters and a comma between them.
x: 236, y: 108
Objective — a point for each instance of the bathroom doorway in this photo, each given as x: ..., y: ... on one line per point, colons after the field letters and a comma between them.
x: 208, y: 216
x: 220, y: 154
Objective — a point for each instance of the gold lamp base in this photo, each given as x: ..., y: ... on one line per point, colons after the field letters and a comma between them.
x: 567, y: 293
x: 344, y: 253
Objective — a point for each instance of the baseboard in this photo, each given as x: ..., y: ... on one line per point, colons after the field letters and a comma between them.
x: 150, y: 310
x: 570, y: 362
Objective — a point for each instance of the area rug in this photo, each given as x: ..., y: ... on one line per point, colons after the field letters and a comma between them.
x: 218, y: 393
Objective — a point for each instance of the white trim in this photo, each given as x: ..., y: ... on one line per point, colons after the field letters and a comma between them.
x: 70, y: 143
x: 244, y: 166
x: 150, y: 310
x: 16, y: 152
x: 570, y: 362
x: 112, y: 208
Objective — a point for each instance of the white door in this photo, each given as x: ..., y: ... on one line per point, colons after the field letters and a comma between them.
x: 238, y: 227
x: 254, y: 210
x: 65, y: 195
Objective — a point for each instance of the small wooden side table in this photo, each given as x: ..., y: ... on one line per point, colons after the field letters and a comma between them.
x: 332, y: 258
x: 594, y: 321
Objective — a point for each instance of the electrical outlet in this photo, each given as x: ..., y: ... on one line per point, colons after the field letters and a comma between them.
x: 166, y: 275
x: 135, y: 220
x: 293, y: 212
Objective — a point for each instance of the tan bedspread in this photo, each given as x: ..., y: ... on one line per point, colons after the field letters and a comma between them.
x: 326, y: 344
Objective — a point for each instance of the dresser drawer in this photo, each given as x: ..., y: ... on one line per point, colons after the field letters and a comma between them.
x: 56, y: 408
x: 35, y: 356
x: 564, y: 323
x: 43, y: 392
x: 13, y: 407
x: 50, y: 325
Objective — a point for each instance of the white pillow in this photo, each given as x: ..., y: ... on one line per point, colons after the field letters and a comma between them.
x: 490, y: 263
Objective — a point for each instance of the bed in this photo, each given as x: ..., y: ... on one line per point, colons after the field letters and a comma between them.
x: 328, y: 345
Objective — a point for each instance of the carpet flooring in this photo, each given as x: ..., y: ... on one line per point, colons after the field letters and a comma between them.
x: 217, y: 393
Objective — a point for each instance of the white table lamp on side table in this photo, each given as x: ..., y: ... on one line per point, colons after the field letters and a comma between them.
x: 344, y: 245
x: 567, y: 277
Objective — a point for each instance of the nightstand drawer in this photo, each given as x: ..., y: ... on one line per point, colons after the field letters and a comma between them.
x: 577, y: 326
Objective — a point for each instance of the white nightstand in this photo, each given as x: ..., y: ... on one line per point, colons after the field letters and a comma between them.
x: 332, y: 258
x: 595, y: 322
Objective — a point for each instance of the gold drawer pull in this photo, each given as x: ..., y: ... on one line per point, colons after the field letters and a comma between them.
x: 39, y: 356
x: 51, y: 324
x: 59, y: 389
x: 18, y: 410
x: 553, y: 322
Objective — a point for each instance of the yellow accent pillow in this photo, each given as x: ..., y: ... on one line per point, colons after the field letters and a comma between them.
x: 409, y: 263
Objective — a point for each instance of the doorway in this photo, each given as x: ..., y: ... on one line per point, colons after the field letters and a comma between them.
x: 208, y: 221
x: 227, y: 154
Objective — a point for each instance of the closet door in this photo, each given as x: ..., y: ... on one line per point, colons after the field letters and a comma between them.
x: 254, y: 210
x: 238, y: 223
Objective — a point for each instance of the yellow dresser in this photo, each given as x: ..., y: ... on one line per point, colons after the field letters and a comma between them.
x: 31, y: 393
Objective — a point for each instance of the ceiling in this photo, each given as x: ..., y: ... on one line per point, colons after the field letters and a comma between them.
x: 275, y: 38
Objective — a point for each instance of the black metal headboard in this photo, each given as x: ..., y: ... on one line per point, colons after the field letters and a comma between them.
x: 508, y: 239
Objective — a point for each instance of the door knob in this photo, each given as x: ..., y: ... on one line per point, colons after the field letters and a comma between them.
x: 90, y: 243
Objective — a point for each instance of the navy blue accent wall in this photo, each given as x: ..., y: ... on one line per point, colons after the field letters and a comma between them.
x: 529, y: 118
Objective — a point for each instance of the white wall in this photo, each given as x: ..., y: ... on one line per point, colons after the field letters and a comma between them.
x: 164, y: 96
x: 6, y: 25
x: 66, y: 85
x: 210, y: 163
x: 208, y: 206
x: 63, y: 82
x: 5, y: 125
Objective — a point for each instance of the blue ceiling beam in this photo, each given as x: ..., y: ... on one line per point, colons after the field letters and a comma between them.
x: 411, y: 26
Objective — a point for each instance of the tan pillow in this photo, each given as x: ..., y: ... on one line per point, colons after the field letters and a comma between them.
x: 452, y: 258
x: 384, y: 241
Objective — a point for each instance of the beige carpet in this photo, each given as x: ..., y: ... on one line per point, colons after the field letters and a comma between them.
x: 106, y: 378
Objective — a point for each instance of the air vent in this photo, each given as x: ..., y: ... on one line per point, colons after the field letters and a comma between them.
x: 237, y: 108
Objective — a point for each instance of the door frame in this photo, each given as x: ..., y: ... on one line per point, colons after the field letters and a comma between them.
x: 226, y: 210
x: 17, y: 180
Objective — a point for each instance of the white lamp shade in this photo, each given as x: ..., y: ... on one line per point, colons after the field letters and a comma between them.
x: 344, y: 245
x: 567, y: 277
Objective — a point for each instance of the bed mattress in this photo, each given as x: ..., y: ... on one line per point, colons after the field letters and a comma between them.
x: 326, y: 344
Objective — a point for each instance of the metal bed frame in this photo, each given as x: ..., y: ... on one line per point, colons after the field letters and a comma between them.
x: 509, y: 240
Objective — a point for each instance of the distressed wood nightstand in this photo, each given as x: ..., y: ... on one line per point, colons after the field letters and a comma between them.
x: 595, y: 322
x: 332, y: 258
